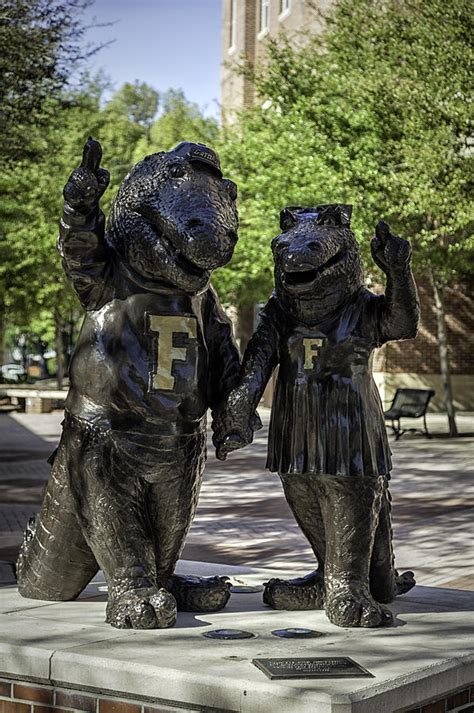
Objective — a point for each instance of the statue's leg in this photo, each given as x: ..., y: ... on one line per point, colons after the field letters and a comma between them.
x: 171, y: 503
x: 110, y: 497
x: 350, y: 507
x: 55, y: 561
x: 303, y: 592
x: 385, y: 582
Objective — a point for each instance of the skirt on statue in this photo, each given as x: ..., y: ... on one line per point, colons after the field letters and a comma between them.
x: 332, y: 426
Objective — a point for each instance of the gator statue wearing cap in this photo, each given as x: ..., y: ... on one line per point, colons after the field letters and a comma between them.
x: 327, y: 435
x: 155, y: 352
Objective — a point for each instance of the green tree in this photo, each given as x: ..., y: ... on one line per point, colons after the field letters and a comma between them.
x: 138, y: 102
x: 376, y: 111
x: 34, y: 288
x: 30, y: 271
x: 41, y: 46
x: 41, y: 51
x: 179, y: 120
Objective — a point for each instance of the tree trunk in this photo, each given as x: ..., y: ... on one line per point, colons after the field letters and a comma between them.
x: 245, y: 325
x: 58, y: 343
x: 2, y: 329
x: 438, y: 292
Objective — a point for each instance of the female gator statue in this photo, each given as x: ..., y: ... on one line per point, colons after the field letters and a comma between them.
x: 327, y: 435
x: 155, y: 352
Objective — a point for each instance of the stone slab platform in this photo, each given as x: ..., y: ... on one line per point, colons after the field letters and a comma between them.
x: 429, y: 652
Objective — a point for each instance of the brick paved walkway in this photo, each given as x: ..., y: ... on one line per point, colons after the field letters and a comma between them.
x: 243, y: 517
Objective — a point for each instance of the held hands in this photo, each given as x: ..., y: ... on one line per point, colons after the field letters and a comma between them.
x: 87, y: 183
x: 390, y: 253
x: 231, y: 442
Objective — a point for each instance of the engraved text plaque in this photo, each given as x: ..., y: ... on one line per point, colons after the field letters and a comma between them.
x: 334, y: 667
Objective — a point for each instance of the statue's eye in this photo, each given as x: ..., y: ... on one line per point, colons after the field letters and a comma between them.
x: 177, y: 170
x: 231, y: 188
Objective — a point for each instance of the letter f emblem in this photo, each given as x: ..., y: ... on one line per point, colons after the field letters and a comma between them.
x: 165, y: 328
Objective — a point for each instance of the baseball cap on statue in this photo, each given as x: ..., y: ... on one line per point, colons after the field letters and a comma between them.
x: 198, y: 153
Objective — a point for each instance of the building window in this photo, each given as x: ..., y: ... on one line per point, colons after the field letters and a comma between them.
x: 233, y: 25
x: 264, y: 17
x: 285, y: 7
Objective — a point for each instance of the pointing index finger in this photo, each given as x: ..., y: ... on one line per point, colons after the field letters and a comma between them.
x: 91, y: 155
x: 382, y: 231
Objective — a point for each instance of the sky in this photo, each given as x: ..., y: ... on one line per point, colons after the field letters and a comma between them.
x: 165, y: 43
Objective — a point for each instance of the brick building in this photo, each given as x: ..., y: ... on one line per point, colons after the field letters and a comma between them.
x: 246, y: 26
x: 415, y: 363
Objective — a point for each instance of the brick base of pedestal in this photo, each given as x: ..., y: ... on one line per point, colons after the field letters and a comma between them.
x: 26, y: 697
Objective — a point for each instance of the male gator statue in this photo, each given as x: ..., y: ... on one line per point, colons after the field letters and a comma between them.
x: 155, y: 352
x: 327, y: 435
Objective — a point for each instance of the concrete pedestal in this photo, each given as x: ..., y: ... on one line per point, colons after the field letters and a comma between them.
x: 65, y: 649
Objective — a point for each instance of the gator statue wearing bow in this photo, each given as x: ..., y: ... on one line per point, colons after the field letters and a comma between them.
x: 155, y: 352
x: 327, y: 435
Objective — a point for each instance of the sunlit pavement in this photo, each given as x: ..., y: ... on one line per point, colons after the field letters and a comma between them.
x: 243, y: 518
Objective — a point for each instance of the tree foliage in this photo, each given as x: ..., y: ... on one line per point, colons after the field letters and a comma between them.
x: 34, y: 289
x: 179, y: 120
x: 137, y: 102
x: 42, y: 44
x: 376, y: 111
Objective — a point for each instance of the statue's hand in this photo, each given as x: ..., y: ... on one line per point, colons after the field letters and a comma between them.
x: 390, y: 253
x: 232, y: 425
x: 232, y: 442
x: 87, y: 183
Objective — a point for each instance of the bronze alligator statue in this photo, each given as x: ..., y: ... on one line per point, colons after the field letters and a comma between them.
x: 327, y: 435
x: 155, y: 352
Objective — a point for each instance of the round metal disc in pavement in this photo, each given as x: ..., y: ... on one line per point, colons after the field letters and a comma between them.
x: 245, y: 588
x: 228, y: 634
x: 297, y: 633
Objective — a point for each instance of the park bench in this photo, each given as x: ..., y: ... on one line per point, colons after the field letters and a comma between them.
x: 35, y: 400
x: 409, y: 403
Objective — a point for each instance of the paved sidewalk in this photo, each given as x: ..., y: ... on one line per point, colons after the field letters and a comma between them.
x: 243, y: 517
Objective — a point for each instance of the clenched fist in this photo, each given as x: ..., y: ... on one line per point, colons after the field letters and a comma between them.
x: 390, y: 252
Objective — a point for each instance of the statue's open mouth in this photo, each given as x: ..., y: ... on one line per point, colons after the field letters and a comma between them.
x: 179, y: 260
x: 295, y: 278
x: 181, y: 264
x: 187, y: 266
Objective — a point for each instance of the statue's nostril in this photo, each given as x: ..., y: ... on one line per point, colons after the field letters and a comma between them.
x: 194, y: 223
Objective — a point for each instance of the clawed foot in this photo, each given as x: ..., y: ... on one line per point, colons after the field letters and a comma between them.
x: 352, y: 605
x: 142, y: 608
x: 405, y: 582
x: 295, y: 594
x: 385, y: 588
x: 201, y: 594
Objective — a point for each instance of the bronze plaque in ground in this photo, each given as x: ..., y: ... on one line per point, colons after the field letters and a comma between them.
x: 335, y: 667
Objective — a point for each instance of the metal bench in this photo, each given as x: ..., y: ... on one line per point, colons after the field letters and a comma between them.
x: 409, y: 403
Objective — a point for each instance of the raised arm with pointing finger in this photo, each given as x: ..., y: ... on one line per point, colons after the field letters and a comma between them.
x: 81, y: 242
x: 398, y: 311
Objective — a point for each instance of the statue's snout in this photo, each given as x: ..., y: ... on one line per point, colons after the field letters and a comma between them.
x: 304, y: 255
x: 209, y: 246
